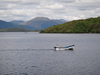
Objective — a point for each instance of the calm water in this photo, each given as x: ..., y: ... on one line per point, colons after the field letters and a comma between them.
x: 32, y: 53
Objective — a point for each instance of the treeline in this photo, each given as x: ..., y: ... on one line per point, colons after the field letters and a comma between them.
x: 91, y: 25
x: 17, y: 30
x: 14, y: 30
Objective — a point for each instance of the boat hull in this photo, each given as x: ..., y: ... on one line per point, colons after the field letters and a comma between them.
x: 61, y: 49
x: 64, y: 48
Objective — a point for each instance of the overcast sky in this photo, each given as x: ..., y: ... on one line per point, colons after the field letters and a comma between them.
x: 53, y: 9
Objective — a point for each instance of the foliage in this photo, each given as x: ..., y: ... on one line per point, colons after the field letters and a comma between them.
x: 91, y: 25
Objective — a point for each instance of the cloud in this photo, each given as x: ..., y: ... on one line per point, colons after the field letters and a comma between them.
x: 54, y: 6
x: 54, y: 9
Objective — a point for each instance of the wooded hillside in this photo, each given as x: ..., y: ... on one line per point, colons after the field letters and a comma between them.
x: 91, y: 25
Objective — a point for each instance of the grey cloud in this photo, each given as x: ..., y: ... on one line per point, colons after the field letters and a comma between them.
x: 65, y: 1
x: 9, y: 1
x: 29, y: 3
x: 21, y: 15
x: 65, y: 9
x: 89, y: 7
x: 83, y: 6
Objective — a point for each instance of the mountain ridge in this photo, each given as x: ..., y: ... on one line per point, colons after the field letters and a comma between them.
x: 17, y: 21
x: 42, y: 22
x: 4, y: 24
x: 37, y: 23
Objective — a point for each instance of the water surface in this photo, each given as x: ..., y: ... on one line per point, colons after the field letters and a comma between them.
x: 31, y: 53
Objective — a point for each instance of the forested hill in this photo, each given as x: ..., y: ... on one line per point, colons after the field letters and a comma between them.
x: 91, y: 25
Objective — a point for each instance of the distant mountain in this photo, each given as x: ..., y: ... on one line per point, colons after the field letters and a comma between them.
x: 62, y: 20
x: 42, y: 22
x: 17, y: 21
x: 4, y: 24
x: 37, y: 23
x: 91, y: 25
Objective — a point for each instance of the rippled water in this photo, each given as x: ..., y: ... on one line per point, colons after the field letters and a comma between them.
x: 31, y: 53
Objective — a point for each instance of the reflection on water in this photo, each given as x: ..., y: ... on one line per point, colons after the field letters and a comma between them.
x: 33, y: 54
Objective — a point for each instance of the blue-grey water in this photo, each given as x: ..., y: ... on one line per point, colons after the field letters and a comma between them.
x: 32, y: 53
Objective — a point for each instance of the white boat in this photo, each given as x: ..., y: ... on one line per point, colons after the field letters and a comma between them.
x: 57, y: 48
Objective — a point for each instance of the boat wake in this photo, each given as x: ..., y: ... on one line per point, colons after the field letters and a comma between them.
x: 26, y: 49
